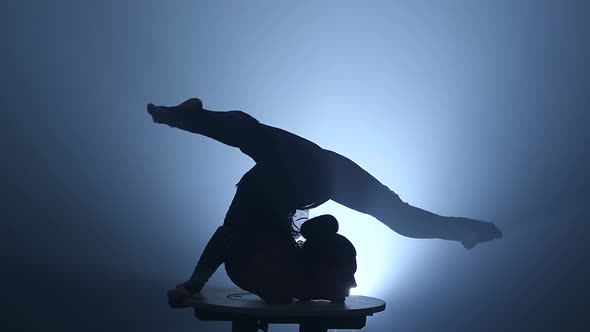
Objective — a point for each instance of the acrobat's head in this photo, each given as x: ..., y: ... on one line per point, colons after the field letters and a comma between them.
x: 328, y: 260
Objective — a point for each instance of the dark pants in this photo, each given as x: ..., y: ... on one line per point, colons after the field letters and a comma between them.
x: 314, y: 175
x: 271, y: 265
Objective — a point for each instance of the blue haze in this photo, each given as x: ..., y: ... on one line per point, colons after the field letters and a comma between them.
x: 471, y: 108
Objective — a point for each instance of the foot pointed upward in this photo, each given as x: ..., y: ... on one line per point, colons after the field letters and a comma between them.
x: 168, y: 114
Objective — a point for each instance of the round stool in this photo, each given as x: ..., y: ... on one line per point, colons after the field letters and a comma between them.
x: 248, y: 312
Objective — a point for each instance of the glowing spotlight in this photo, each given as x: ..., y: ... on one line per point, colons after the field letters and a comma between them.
x: 374, y: 245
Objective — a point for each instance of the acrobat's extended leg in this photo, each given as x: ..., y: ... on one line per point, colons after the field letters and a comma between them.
x: 229, y: 127
x: 237, y: 129
x: 355, y: 188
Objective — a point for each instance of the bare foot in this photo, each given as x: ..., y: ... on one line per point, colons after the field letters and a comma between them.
x: 168, y: 114
x: 481, y: 232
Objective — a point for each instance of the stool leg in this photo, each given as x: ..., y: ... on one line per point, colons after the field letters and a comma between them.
x: 311, y: 328
x: 244, y: 325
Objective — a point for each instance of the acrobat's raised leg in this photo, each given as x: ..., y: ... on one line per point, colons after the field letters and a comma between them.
x: 238, y: 129
x: 355, y: 188
x: 229, y: 127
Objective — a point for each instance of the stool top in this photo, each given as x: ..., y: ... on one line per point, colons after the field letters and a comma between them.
x: 237, y: 301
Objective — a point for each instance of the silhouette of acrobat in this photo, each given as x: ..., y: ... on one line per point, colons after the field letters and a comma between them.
x: 293, y: 173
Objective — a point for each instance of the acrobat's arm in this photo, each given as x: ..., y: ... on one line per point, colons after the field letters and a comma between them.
x: 212, y: 257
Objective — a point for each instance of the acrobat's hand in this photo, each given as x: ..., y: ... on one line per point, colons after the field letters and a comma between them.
x: 177, y: 296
